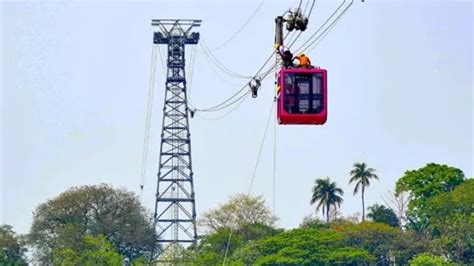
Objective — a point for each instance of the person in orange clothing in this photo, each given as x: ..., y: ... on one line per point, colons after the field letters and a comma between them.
x: 303, y: 60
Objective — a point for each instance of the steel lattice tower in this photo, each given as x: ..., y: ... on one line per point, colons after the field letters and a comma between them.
x: 175, y: 211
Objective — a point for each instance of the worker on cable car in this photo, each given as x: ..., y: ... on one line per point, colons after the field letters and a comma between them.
x: 286, y: 56
x: 303, y: 60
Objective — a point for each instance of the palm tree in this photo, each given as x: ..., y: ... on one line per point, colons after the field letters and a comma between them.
x: 326, y: 194
x: 361, y: 175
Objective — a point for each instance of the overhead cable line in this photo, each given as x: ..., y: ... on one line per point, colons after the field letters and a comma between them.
x: 261, y: 148
x: 323, y: 25
x: 310, y: 9
x: 220, y: 65
x: 229, y: 72
x: 214, y: 67
x: 299, y: 6
x: 237, y: 102
x: 228, y: 104
x: 149, y: 111
x: 306, y: 6
x: 217, y: 106
x: 234, y: 74
x: 292, y: 42
x: 190, y: 71
x: 239, y: 30
x: 313, y: 42
x: 236, y: 106
x: 253, y: 176
x: 230, y: 100
x: 236, y: 94
x: 226, y: 70
x: 328, y: 29
x: 292, y: 36
x: 274, y: 163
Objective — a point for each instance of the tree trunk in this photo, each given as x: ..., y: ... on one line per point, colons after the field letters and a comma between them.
x: 327, y: 213
x: 363, y: 205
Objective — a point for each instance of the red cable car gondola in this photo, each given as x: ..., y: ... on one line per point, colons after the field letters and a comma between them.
x: 303, y: 96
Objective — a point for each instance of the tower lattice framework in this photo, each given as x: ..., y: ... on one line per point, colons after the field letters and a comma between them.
x: 175, y: 211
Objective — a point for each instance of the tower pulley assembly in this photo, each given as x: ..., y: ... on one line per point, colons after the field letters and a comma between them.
x: 296, y: 21
x: 302, y: 90
x: 254, y: 85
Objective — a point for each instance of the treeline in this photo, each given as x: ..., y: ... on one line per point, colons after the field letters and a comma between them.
x: 88, y: 225
x: 428, y: 220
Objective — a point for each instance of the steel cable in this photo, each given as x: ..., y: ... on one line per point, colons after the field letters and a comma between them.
x: 239, y: 30
x: 149, y: 111
x: 253, y: 176
x: 322, y: 26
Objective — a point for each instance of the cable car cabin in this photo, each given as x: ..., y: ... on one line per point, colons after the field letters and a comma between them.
x: 303, y: 96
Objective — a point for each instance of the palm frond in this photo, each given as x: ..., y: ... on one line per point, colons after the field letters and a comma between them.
x: 326, y: 193
x: 361, y: 175
x: 353, y: 178
x: 356, y: 188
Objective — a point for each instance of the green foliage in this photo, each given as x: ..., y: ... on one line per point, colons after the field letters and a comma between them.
x: 427, y: 259
x: 384, y: 242
x: 212, y: 247
x: 219, y: 241
x: 447, y: 231
x: 408, y: 244
x: 141, y: 261
x: 304, y: 246
x: 361, y: 175
x: 315, y: 223
x: 426, y: 182
x: 451, y: 222
x: 94, y: 250
x: 459, y: 201
x: 326, y: 194
x: 231, y: 226
x: 239, y: 211
x: 429, y: 181
x: 382, y: 214
x: 376, y: 238
x: 256, y: 231
x: 442, y: 207
x: 12, y: 249
x: 92, y: 210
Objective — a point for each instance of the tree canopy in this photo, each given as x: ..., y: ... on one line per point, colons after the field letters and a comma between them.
x: 304, y: 246
x: 428, y: 259
x: 451, y: 222
x: 386, y: 243
x: 12, y: 248
x: 381, y: 214
x: 230, y: 226
x: 240, y: 211
x: 92, y: 250
x: 326, y: 194
x: 99, y: 225
x: 361, y: 175
x: 424, y: 183
x: 116, y: 214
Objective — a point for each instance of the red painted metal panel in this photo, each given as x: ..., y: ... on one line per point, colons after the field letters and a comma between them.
x: 288, y: 118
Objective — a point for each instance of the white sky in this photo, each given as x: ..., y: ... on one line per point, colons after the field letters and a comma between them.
x: 74, y: 79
